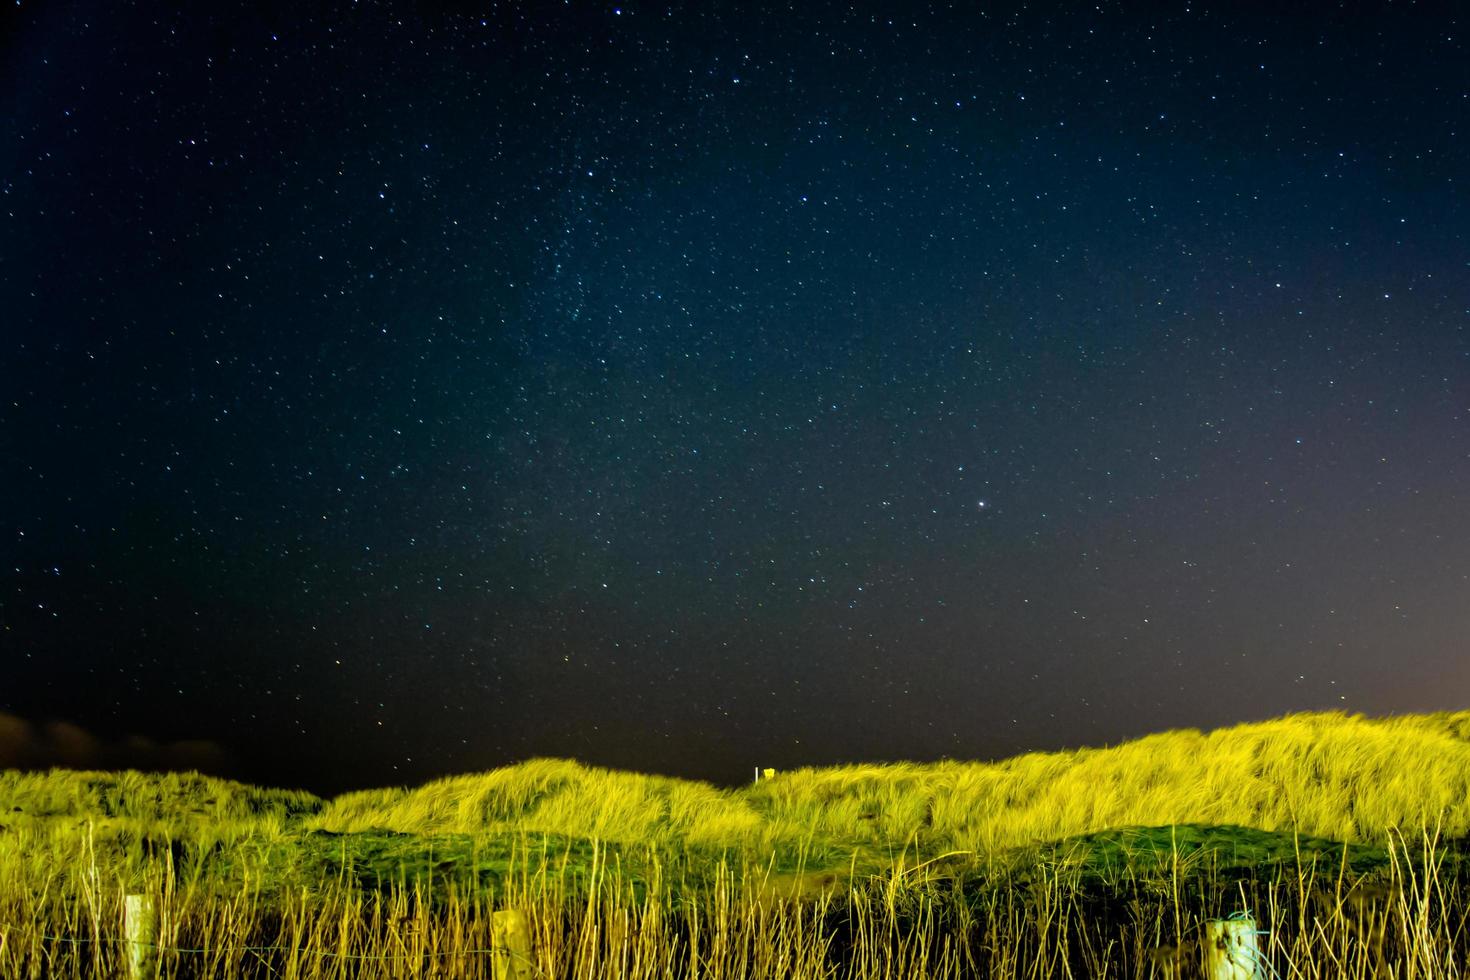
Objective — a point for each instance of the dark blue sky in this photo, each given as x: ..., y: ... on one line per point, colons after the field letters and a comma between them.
x: 392, y: 390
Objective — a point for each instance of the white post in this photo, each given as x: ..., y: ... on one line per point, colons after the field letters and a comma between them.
x: 1232, y: 951
x: 140, y: 923
x: 510, y: 934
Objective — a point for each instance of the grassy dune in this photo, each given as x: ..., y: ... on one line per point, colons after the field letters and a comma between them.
x: 961, y: 864
x: 1330, y: 775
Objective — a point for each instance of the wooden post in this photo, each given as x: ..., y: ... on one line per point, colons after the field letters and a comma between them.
x: 510, y: 933
x: 1232, y: 951
x: 140, y: 923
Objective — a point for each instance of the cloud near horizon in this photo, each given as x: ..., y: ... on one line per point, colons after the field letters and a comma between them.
x: 63, y: 745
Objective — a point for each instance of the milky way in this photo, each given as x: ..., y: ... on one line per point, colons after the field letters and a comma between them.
x: 390, y: 393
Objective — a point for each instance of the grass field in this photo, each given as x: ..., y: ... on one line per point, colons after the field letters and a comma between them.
x: 1343, y: 836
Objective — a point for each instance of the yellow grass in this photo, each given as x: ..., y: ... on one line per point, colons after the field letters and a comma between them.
x: 860, y: 871
x: 1330, y: 774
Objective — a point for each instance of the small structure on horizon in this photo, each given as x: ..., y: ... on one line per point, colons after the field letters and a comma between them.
x: 763, y: 774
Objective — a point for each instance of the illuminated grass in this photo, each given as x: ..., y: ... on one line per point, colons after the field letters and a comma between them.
x: 1342, y: 834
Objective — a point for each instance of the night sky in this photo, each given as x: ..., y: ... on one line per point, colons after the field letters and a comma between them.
x: 393, y: 390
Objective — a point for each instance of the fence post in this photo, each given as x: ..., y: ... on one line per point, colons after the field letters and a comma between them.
x: 1232, y: 951
x: 510, y: 935
x: 140, y: 924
